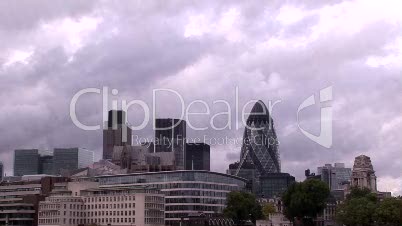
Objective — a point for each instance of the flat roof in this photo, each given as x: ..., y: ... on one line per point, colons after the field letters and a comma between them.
x: 175, y: 171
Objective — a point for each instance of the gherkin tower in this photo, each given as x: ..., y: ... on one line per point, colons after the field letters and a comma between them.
x: 260, y: 145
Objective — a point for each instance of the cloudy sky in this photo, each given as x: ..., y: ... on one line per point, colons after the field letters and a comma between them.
x: 270, y: 50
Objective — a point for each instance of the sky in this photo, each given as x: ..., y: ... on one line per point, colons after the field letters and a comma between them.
x: 238, y: 51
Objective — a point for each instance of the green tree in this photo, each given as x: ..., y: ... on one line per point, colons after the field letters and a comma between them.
x: 304, y: 200
x: 267, y: 209
x: 388, y: 213
x: 357, y: 192
x: 242, y: 206
x: 358, y: 208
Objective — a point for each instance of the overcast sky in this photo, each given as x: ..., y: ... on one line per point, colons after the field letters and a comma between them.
x: 270, y: 50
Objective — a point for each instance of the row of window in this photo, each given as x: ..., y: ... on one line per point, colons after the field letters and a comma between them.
x: 89, y: 221
x: 107, y: 206
x: 196, y: 193
x: 154, y: 221
x: 196, y: 200
x: 110, y: 199
x: 87, y: 214
x: 161, y: 177
x: 154, y: 206
x: 195, y: 208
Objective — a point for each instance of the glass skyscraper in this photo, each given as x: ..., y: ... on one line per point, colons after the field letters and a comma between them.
x: 26, y: 162
x: 334, y: 175
x: 170, y: 136
x: 197, y: 156
x: 260, y: 145
x: 71, y: 159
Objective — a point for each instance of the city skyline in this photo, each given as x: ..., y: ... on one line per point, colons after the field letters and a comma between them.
x: 285, y: 52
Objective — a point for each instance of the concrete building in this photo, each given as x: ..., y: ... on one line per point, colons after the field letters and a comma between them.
x: 76, y: 203
x: 186, y: 192
x: 139, y: 159
x: 19, y: 200
x: 71, y: 159
x: 170, y: 136
x: 328, y: 216
x: 197, y: 156
x: 363, y: 174
x: 115, y: 133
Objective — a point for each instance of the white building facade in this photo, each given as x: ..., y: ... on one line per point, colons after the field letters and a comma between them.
x: 103, y: 206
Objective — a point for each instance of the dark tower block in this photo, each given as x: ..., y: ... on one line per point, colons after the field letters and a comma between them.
x: 170, y: 136
x: 117, y: 133
x: 197, y: 156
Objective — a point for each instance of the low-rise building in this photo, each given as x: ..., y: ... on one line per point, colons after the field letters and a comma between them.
x: 19, y: 200
x: 186, y: 191
x: 83, y: 203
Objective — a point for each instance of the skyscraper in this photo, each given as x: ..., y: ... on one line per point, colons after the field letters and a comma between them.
x: 71, y: 159
x: 170, y: 136
x: 197, y: 156
x: 116, y: 133
x: 26, y: 162
x: 260, y: 145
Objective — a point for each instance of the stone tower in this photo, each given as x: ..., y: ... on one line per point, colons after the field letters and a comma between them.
x: 363, y: 174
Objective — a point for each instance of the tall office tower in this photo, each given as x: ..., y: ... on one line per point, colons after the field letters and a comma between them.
x: 197, y: 156
x: 363, y: 174
x: 26, y: 162
x: 260, y: 145
x: 1, y: 171
x: 115, y: 133
x: 71, y: 159
x: 170, y: 136
x: 335, y: 176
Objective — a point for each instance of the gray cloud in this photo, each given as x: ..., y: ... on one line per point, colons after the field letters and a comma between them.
x: 203, y: 50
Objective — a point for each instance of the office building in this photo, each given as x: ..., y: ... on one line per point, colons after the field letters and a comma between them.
x: 83, y: 203
x: 274, y: 184
x: 335, y: 175
x: 71, y: 159
x: 26, y: 162
x: 186, y: 192
x: 197, y: 156
x: 33, y: 161
x: 260, y: 144
x: 115, y: 133
x: 19, y: 200
x: 248, y: 172
x: 170, y: 136
x: 363, y: 174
